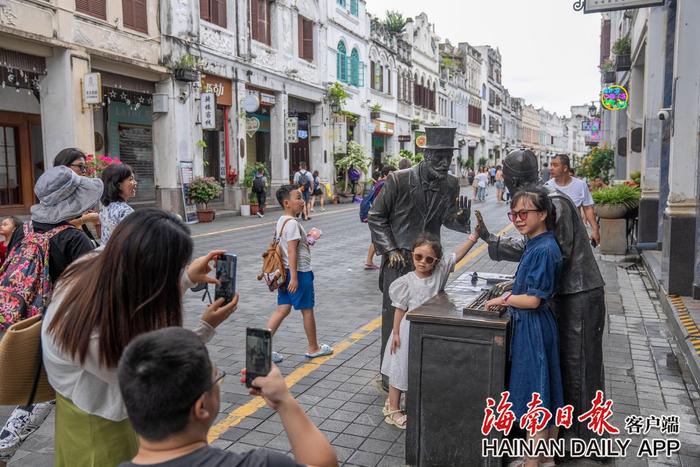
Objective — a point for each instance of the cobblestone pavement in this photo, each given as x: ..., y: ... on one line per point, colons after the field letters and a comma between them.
x: 340, y: 393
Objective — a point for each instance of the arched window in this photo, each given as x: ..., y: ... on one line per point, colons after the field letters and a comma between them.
x: 342, y: 63
x: 355, y: 68
x: 354, y: 9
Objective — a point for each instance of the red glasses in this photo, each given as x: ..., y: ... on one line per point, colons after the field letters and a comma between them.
x: 522, y: 215
x: 428, y: 259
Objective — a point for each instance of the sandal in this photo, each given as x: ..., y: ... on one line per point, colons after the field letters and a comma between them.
x: 323, y: 350
x: 397, y: 421
x: 386, y: 410
x: 370, y: 267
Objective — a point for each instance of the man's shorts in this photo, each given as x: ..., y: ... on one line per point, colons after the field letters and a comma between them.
x: 303, y: 297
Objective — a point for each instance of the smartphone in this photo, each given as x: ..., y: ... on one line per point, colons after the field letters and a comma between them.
x: 258, y: 353
x: 226, y: 275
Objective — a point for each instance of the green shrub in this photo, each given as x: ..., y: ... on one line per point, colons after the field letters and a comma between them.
x: 204, y: 189
x: 597, y: 164
x: 618, y: 194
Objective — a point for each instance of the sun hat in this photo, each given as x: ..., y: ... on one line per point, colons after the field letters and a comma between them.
x: 64, y: 195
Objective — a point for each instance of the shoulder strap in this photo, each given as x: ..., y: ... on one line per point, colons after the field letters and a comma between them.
x: 284, y: 224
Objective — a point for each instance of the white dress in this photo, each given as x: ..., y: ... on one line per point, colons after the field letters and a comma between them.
x: 408, y: 292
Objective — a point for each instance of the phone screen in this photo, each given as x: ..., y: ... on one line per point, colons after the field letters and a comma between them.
x: 226, y: 275
x: 258, y: 353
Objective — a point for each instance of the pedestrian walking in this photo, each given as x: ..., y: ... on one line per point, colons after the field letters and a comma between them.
x: 298, y: 292
x: 63, y: 196
x: 470, y: 176
x: 492, y: 175
x: 534, y: 342
x: 481, y: 180
x: 103, y: 302
x: 304, y: 180
x: 260, y: 190
x: 317, y: 192
x: 544, y: 172
x: 576, y: 189
x: 119, y: 187
x: 171, y: 390
x: 407, y: 293
x: 499, y: 184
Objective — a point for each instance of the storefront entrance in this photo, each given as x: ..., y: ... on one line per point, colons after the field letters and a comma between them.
x: 299, y: 151
x: 21, y: 161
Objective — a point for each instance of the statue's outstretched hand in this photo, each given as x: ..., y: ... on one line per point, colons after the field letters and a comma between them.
x: 396, y: 260
x: 481, y: 229
x: 464, y: 214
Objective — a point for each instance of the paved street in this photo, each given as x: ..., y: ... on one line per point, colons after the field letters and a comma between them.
x: 340, y: 392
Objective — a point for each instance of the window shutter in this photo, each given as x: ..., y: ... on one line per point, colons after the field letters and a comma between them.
x: 388, y: 81
x: 204, y: 11
x: 263, y: 22
x: 96, y: 8
x: 308, y: 40
x: 128, y: 12
x: 221, y: 13
x: 372, y: 75
x: 254, y: 19
x: 135, y: 14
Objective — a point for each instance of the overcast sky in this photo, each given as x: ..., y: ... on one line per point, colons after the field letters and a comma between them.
x: 549, y: 51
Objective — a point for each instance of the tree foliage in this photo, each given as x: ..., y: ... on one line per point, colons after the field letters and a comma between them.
x: 395, y: 22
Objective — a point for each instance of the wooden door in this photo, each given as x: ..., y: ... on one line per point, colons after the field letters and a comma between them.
x: 16, y: 166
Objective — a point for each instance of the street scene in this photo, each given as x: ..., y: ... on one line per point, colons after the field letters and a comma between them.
x: 349, y: 232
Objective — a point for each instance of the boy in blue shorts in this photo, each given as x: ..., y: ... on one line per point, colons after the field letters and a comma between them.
x: 296, y: 256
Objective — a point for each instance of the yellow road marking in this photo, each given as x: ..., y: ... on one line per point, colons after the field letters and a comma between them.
x: 252, y: 406
x: 264, y: 224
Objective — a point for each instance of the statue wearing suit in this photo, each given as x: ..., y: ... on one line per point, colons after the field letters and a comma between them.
x: 413, y: 201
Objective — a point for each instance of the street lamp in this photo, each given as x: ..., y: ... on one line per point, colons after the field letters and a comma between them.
x: 592, y: 110
x: 335, y: 107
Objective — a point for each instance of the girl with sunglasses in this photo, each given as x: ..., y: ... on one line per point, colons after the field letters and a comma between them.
x: 407, y: 293
x: 534, y: 347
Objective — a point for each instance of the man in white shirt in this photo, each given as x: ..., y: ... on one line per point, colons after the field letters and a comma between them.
x: 574, y: 188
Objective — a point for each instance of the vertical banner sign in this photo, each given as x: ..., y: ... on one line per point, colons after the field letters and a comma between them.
x: 207, y: 111
x: 292, y: 130
x: 186, y: 175
x: 92, y: 89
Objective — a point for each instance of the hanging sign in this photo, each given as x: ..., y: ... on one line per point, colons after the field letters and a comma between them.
x: 190, y: 208
x: 207, y: 110
x: 292, y: 129
x: 251, y: 103
x: 614, y: 97
x: 92, y: 88
x: 421, y: 140
x: 383, y: 128
x: 267, y: 99
x: 599, y: 6
x: 252, y: 124
x: 404, y: 138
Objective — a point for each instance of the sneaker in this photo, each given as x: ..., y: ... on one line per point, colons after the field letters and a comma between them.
x: 277, y: 357
x: 324, y: 349
x: 259, y: 215
x: 323, y: 209
x: 312, y: 209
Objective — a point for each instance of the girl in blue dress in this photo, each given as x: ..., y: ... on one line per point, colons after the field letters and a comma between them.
x: 534, y: 348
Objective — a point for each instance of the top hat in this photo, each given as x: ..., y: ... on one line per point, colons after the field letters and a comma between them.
x: 440, y: 137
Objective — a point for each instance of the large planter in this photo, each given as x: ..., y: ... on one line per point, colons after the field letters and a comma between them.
x: 623, y: 62
x: 375, y: 115
x: 611, y: 211
x: 254, y: 208
x: 189, y: 76
x: 206, y: 216
x: 609, y: 77
x: 245, y: 209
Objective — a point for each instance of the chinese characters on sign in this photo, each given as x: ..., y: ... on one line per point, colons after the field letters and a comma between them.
x: 216, y: 88
x: 292, y: 130
x: 207, y: 104
x: 614, y: 97
x: 92, y: 89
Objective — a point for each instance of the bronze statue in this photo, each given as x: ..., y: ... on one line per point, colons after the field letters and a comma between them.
x: 579, y: 301
x: 412, y: 201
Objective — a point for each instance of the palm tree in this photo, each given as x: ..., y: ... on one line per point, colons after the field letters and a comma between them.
x: 395, y: 22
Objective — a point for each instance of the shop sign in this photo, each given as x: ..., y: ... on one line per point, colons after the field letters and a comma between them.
x: 220, y: 87
x: 614, y: 97
x: 383, y: 128
x: 186, y: 176
x: 207, y: 111
x: 252, y: 124
x: 421, y: 140
x: 599, y: 6
x: 92, y: 89
x: 340, y: 138
x: 251, y: 103
x: 404, y: 138
x: 267, y: 99
x: 292, y: 129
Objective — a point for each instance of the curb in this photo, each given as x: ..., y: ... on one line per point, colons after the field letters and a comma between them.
x: 681, y: 324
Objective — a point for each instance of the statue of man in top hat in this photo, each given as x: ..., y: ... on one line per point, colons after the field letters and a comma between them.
x: 413, y: 201
x: 578, y: 302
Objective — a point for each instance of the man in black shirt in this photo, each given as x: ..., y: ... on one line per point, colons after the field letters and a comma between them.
x: 171, y: 392
x: 63, y: 195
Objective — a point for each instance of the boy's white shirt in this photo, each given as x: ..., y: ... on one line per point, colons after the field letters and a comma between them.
x: 293, y: 231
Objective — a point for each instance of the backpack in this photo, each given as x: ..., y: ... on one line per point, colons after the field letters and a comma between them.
x: 366, y: 205
x: 308, y: 180
x: 273, y: 271
x: 25, y: 284
x: 258, y: 185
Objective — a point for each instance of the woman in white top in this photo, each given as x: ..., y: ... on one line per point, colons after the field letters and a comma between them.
x: 99, y: 305
x: 407, y: 293
x: 119, y: 187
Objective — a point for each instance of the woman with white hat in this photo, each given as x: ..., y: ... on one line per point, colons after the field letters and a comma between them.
x: 63, y: 196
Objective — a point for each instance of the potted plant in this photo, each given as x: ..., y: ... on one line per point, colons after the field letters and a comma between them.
x: 356, y: 158
x: 607, y: 68
x: 254, y: 207
x: 187, y: 68
x: 415, y: 124
x: 250, y: 171
x: 614, y: 202
x: 336, y: 95
x: 375, y: 111
x: 622, y: 48
x: 202, y: 191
